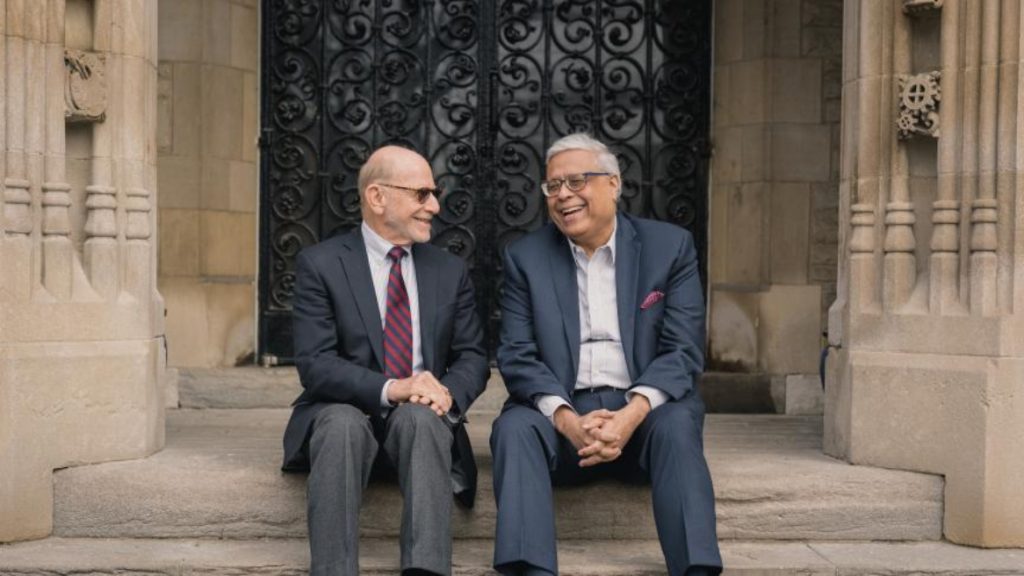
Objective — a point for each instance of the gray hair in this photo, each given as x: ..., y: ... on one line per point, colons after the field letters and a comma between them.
x: 583, y: 141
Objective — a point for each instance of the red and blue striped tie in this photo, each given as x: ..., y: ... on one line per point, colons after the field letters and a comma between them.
x: 397, y: 322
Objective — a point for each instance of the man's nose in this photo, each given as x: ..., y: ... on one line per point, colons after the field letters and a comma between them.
x: 564, y: 193
x: 433, y: 204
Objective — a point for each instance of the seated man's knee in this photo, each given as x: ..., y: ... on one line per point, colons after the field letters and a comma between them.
x: 516, y: 426
x: 675, y: 425
x: 338, y: 424
x: 415, y: 416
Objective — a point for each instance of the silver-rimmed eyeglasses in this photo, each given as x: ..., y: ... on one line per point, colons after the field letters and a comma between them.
x: 574, y: 182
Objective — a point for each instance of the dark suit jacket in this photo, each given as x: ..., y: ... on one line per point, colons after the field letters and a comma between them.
x: 540, y: 325
x: 339, y: 342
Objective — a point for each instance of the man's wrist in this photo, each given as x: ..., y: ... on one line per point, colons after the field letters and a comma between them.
x: 563, y: 417
x: 639, y: 407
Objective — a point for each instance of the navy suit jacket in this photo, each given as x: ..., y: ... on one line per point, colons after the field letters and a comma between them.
x: 339, y: 341
x: 540, y: 325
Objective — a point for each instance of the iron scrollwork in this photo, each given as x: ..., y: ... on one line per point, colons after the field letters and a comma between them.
x: 481, y: 89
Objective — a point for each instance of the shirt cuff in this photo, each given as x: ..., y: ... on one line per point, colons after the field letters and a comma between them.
x: 654, y: 396
x: 548, y: 404
x: 385, y: 405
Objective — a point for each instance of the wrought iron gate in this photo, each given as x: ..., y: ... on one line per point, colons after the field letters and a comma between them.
x: 481, y: 88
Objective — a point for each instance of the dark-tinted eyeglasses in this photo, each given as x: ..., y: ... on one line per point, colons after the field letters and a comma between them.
x: 575, y: 182
x: 421, y: 193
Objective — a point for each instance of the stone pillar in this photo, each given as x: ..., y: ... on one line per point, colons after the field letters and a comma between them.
x: 208, y: 124
x: 929, y: 370
x: 81, y: 330
x: 774, y: 184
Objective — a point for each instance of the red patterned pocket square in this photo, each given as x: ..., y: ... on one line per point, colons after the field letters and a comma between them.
x: 652, y: 299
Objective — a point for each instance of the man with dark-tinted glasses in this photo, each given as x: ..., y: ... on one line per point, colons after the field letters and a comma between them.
x: 602, y: 340
x: 390, y: 353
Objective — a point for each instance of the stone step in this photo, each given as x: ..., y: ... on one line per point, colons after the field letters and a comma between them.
x: 257, y: 387
x: 290, y: 557
x: 219, y: 478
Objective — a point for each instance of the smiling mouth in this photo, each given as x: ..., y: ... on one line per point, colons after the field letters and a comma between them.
x: 571, y: 210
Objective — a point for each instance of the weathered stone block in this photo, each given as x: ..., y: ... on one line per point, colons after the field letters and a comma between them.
x: 222, y: 111
x: 796, y: 90
x: 232, y: 332
x: 242, y: 187
x: 801, y: 153
x: 728, y: 34
x: 186, y: 127
x: 187, y: 335
x: 228, y: 243
x: 821, y: 41
x: 179, y: 181
x: 165, y: 108
x: 179, y: 242
x: 804, y: 394
x: 790, y: 232
x: 749, y: 83
x: 789, y: 330
x: 70, y: 403
x: 785, y: 32
x: 746, y: 244
x: 250, y: 117
x: 216, y: 33
x: 215, y: 191
x: 949, y: 414
x: 245, y: 48
x: 727, y: 161
x: 755, y: 15
x: 181, y: 30
x: 732, y: 334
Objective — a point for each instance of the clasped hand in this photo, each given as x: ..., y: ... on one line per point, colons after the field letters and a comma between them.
x: 601, y: 435
x: 422, y: 388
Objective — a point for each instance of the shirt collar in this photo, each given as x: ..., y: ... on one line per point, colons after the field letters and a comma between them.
x: 580, y: 255
x: 376, y: 246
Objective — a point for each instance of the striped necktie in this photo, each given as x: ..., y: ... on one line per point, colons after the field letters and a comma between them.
x: 397, y: 322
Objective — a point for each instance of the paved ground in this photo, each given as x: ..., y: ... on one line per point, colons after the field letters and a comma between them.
x: 99, y: 557
x: 219, y: 478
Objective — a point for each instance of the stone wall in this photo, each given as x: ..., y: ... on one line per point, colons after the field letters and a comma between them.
x: 207, y: 117
x: 774, y: 190
x: 81, y: 323
x: 928, y: 373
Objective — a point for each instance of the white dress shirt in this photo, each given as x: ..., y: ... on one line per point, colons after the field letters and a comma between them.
x: 377, y: 249
x: 602, y: 359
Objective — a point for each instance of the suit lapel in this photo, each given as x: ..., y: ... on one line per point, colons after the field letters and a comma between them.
x: 627, y: 274
x: 427, y: 275
x: 356, y: 268
x: 563, y: 277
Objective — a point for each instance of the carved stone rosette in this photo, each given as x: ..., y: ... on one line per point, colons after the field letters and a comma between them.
x: 85, y: 90
x: 920, y: 95
x: 917, y: 7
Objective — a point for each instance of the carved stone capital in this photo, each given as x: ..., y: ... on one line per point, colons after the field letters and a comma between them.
x: 85, y: 88
x: 920, y: 95
x: 915, y: 7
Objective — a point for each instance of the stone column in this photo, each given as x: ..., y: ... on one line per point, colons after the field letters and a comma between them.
x: 17, y: 209
x: 933, y: 378
x: 81, y: 331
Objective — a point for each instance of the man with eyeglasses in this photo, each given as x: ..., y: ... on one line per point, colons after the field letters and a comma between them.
x: 390, y: 354
x: 602, y: 341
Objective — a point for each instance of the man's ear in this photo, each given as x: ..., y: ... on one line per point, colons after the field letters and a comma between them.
x: 618, y: 185
x: 375, y: 199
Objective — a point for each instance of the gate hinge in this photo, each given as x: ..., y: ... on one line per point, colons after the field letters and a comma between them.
x: 264, y: 139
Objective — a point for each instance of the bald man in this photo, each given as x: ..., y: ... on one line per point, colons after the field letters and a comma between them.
x: 390, y: 354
